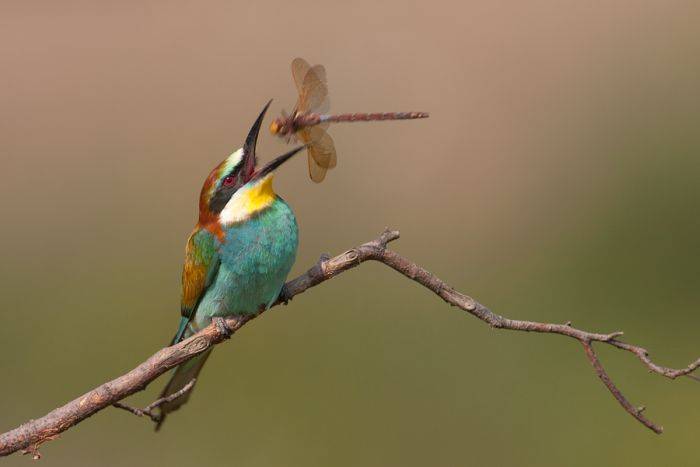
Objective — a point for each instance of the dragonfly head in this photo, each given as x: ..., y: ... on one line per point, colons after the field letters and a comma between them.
x: 281, y: 126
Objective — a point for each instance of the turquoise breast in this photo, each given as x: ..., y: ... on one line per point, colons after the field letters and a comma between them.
x: 256, y: 258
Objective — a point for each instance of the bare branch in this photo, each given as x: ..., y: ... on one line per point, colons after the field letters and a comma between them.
x: 30, y: 435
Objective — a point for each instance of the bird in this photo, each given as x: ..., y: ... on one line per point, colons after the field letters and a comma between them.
x: 238, y: 256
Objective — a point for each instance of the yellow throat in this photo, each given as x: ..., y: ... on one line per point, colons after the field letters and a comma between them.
x: 248, y: 200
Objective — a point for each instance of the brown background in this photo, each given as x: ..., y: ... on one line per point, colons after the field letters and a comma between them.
x: 557, y: 179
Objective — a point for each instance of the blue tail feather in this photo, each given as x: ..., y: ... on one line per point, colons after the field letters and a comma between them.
x: 184, y: 321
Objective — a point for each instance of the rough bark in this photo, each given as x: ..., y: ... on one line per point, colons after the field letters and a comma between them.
x: 29, y: 436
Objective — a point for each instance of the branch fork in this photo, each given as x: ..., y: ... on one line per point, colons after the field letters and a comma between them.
x: 149, y: 409
x: 29, y: 436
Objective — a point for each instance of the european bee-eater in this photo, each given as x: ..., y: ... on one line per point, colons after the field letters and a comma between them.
x: 239, y: 254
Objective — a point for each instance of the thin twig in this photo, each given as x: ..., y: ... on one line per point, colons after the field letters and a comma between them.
x: 603, y: 375
x: 31, y: 434
x: 148, y: 410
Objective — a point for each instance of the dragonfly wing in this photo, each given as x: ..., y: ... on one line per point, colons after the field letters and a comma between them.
x: 321, y: 151
x: 320, y: 72
x: 316, y: 173
x: 315, y: 92
x: 322, y: 154
x: 299, y: 69
x: 311, y: 87
x: 324, y: 149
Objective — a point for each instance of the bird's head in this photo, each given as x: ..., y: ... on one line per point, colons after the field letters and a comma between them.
x: 237, y: 189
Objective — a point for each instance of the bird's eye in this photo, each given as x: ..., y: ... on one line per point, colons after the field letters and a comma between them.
x: 228, y: 181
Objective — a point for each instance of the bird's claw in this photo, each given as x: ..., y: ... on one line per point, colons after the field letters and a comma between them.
x: 284, y: 297
x: 221, y: 325
x: 324, y: 257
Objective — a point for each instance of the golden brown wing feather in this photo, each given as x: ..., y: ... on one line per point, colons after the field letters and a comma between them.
x: 201, y: 265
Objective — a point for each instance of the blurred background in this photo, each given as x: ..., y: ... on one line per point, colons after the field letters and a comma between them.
x: 556, y: 179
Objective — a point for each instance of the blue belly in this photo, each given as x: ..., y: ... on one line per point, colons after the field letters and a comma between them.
x: 255, y: 260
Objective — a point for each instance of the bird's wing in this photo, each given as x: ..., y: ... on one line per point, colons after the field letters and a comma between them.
x: 199, y: 272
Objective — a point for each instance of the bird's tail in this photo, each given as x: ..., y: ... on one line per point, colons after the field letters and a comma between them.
x: 182, y: 376
x: 181, y: 329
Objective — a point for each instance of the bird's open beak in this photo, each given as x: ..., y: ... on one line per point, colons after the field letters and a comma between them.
x: 274, y: 163
x: 250, y: 158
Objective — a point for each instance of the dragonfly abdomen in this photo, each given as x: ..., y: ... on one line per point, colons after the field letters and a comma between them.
x: 369, y: 117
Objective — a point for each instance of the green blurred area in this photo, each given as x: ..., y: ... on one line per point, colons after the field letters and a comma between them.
x: 556, y: 179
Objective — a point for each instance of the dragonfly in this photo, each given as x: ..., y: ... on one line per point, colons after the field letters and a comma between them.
x: 309, y: 120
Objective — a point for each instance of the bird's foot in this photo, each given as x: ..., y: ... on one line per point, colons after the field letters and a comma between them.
x: 324, y: 257
x: 285, y: 297
x: 221, y: 325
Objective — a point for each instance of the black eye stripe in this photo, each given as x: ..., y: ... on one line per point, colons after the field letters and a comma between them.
x: 223, y: 193
x: 221, y: 197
